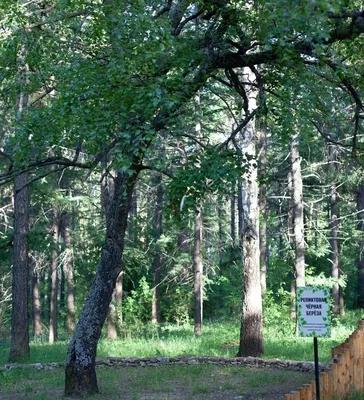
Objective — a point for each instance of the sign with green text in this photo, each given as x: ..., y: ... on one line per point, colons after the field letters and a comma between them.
x: 313, y: 311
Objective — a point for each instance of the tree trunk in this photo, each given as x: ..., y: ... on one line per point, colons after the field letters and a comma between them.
x: 80, y: 363
x: 221, y: 242
x: 19, y: 343
x: 262, y: 133
x: 233, y: 221
x: 118, y: 293
x: 334, y: 230
x: 198, y: 273
x: 111, y: 332
x: 360, y: 211
x: 37, y: 321
x: 107, y: 190
x: 158, y: 216
x: 53, y: 315
x: 298, y: 222
x: 251, y: 330
x: 197, y: 248
x: 240, y: 210
x: 68, y: 271
x: 291, y: 242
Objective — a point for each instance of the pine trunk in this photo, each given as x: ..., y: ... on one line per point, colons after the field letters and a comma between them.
x: 233, y: 222
x: 156, y: 312
x: 80, y: 363
x: 263, y: 208
x: 37, y: 321
x: 68, y: 272
x: 53, y: 315
x: 19, y: 343
x: 291, y: 241
x: 198, y: 273
x: 334, y: 230
x: 251, y: 330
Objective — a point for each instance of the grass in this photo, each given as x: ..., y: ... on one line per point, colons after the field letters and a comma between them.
x: 218, y: 339
x: 355, y: 396
x: 195, y: 381
x: 187, y: 382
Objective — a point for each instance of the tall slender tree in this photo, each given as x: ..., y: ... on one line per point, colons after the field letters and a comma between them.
x: 251, y: 331
x: 298, y: 222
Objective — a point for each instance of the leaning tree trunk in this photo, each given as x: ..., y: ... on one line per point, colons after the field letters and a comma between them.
x: 19, y: 343
x: 298, y: 221
x: 80, y: 363
x: 251, y: 330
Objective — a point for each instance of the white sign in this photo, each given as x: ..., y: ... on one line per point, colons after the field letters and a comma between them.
x: 313, y: 311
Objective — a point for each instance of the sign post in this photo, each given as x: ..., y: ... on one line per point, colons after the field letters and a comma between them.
x: 313, y: 314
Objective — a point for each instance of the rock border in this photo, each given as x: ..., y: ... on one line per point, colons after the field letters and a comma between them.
x: 252, y: 362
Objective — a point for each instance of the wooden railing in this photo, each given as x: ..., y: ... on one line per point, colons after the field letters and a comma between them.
x: 344, y: 375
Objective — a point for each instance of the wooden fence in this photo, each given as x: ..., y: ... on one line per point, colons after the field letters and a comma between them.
x: 344, y: 375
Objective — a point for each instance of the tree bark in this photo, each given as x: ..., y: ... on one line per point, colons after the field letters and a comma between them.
x: 251, y: 331
x: 68, y: 271
x: 291, y: 242
x: 262, y: 137
x: 198, y: 273
x: 37, y: 321
x: 158, y: 220
x: 19, y: 343
x: 334, y: 230
x: 80, y: 363
x: 360, y: 227
x: 233, y: 221
x: 197, y: 248
x: 297, y: 187
x: 53, y: 315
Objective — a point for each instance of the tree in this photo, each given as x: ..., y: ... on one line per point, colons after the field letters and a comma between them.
x: 126, y: 55
x: 251, y: 331
x: 19, y: 345
x: 298, y: 223
x: 53, y: 315
x: 158, y: 222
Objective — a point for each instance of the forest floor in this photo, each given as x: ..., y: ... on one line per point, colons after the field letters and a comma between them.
x: 177, y: 382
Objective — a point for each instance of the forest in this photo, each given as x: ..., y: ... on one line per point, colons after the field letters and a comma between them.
x: 175, y: 162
